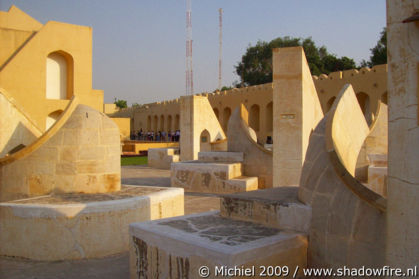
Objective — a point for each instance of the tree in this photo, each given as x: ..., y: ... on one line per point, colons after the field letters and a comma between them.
x: 256, y: 64
x: 223, y: 88
x: 120, y: 103
x: 379, y: 52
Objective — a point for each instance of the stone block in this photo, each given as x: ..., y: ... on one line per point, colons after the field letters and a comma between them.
x: 181, y: 245
x: 275, y: 207
x: 74, y: 227
x: 221, y: 156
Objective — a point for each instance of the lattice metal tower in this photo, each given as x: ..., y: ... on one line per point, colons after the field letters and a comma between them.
x: 220, y: 50
x: 189, y: 70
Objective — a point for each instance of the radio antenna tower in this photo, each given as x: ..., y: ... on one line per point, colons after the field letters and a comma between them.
x: 220, y: 50
x: 189, y: 70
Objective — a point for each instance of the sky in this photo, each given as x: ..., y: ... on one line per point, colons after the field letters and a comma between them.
x: 139, y: 45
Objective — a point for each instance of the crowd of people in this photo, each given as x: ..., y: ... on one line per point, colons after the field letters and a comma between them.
x: 152, y: 136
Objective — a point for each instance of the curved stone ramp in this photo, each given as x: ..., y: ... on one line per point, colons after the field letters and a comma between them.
x: 16, y: 127
x: 375, y: 143
x: 348, y: 219
x: 79, y: 153
x: 241, y: 138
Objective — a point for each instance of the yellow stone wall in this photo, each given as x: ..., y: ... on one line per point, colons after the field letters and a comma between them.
x: 110, y: 108
x: 25, y: 46
x: 16, y: 128
x: 370, y: 85
x: 124, y: 127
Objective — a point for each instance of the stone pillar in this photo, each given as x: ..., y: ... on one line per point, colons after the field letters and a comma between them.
x: 403, y: 164
x: 196, y: 116
x: 187, y: 145
x: 296, y: 112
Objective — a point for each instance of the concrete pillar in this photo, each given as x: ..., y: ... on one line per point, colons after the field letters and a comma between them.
x: 403, y: 164
x: 296, y: 112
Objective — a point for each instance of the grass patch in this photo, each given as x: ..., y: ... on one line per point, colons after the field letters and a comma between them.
x: 129, y: 161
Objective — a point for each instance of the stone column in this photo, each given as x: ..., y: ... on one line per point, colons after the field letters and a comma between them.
x: 403, y: 164
x: 187, y: 145
x: 296, y: 112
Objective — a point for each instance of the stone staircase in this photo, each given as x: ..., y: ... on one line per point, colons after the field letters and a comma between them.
x: 213, y: 172
x: 276, y: 207
x: 259, y: 228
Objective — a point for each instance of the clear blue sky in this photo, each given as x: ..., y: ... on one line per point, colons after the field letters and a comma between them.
x: 139, y: 45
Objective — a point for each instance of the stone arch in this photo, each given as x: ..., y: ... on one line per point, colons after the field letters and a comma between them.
x: 269, y: 117
x: 226, y: 117
x: 52, y: 118
x: 177, y: 121
x: 149, y: 123
x: 162, y: 122
x: 364, y: 103
x: 156, y: 122
x: 384, y: 98
x: 205, y: 141
x: 254, y: 117
x: 217, y: 114
x: 330, y: 103
x: 59, y: 76
x: 169, y: 123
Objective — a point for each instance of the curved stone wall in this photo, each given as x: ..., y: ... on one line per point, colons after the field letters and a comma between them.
x: 257, y: 160
x: 79, y: 153
x: 348, y: 219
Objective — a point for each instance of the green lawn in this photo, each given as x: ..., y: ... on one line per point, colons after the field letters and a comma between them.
x: 127, y: 161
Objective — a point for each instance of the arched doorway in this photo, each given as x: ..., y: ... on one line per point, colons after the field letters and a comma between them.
x: 205, y: 142
x: 216, y: 113
x: 254, y: 117
x: 155, y: 126
x: 58, y: 76
x: 149, y: 123
x: 269, y: 117
x: 226, y: 117
x: 169, y: 123
x: 162, y: 123
x: 364, y: 103
x: 177, y: 120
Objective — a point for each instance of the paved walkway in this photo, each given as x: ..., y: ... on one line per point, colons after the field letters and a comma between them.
x: 115, y: 267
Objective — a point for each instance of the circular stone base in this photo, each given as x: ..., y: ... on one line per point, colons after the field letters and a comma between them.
x: 77, y: 226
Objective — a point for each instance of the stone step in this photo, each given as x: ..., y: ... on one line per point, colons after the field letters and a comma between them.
x: 221, y: 156
x: 222, y: 170
x: 243, y: 183
x: 276, y: 207
x: 178, y: 247
x: 207, y: 177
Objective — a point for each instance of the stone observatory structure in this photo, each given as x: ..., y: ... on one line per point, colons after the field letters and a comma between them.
x: 317, y: 215
x: 60, y: 176
x: 61, y: 195
x: 80, y: 154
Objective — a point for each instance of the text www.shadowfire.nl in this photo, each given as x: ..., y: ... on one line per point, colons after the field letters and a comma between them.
x: 284, y: 271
